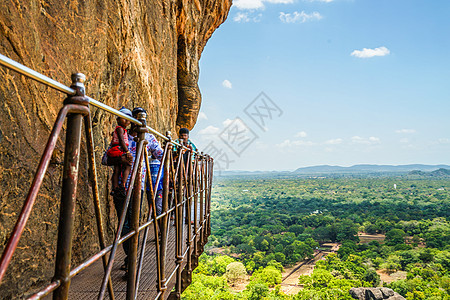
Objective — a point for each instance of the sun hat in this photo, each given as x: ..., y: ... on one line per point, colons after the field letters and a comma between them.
x: 126, y: 111
x: 137, y: 110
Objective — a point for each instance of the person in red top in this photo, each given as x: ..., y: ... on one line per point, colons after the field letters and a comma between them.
x: 119, y: 150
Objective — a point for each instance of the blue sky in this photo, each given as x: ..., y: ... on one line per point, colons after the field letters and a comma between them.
x: 354, y: 81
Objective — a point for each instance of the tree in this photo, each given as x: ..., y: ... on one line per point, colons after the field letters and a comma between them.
x: 235, y: 272
x: 395, y: 236
x: 245, y: 248
x: 443, y: 258
x: 426, y: 255
x: 297, y: 229
x: 205, y: 287
x: 392, y: 264
x: 322, y: 234
x: 280, y: 257
x: 269, y: 275
x: 236, y: 239
x: 218, y: 265
x: 372, y: 277
x: 321, y: 278
x: 276, y: 265
x: 257, y: 291
x: 347, y: 248
x: 371, y: 229
x: 408, y: 257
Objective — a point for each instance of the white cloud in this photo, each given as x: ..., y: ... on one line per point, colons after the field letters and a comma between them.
x: 405, y: 131
x: 299, y: 17
x: 257, y: 4
x: 366, y: 141
x: 444, y: 141
x: 248, y: 4
x: 279, y: 1
x: 367, y: 53
x: 290, y: 144
x: 241, y: 17
x: 202, y: 116
x: 334, y: 141
x: 210, y: 130
x: 245, y: 17
x: 326, y: 1
x: 227, y: 84
x: 301, y: 134
x: 227, y: 122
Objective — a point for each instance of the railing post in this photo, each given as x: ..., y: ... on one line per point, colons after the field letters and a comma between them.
x: 208, y: 197
x: 202, y: 198
x: 179, y: 222
x: 69, y: 189
x: 211, y: 172
x: 189, y: 213
x: 196, y: 191
x: 205, y: 187
x: 95, y: 193
x: 135, y: 210
x: 165, y: 218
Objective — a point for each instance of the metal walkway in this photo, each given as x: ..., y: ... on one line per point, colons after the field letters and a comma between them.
x: 85, y: 285
x: 163, y: 250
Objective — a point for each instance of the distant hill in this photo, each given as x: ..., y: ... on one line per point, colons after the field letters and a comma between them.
x: 436, y: 173
x: 363, y: 169
x: 366, y: 168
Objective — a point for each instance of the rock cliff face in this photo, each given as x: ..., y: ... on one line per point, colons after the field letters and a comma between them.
x: 133, y: 53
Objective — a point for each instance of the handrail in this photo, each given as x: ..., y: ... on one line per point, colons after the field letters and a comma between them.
x: 184, y: 183
x: 13, y: 65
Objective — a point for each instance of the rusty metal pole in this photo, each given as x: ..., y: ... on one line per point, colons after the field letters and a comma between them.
x: 195, y: 205
x: 69, y: 190
x: 135, y: 210
x: 186, y: 274
x: 205, y: 188
x: 208, y: 208
x: 207, y: 197
x: 202, y: 198
x: 95, y: 193
x: 211, y: 170
x: 189, y: 212
x: 156, y: 222
x: 179, y: 222
x: 165, y: 218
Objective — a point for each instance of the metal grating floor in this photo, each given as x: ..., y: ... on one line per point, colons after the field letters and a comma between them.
x: 86, y: 285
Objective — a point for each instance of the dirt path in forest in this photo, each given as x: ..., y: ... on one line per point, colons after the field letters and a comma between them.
x: 390, y: 277
x: 289, y: 283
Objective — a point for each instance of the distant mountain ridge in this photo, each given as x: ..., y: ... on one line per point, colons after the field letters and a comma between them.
x: 368, y: 168
x: 361, y: 169
x: 436, y: 173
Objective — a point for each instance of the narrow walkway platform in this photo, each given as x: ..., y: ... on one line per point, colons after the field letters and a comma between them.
x: 86, y: 285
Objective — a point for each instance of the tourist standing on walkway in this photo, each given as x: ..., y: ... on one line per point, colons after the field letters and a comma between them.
x: 154, y: 149
x: 119, y: 152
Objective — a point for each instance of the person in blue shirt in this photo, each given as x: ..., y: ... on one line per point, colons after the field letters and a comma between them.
x: 183, y: 138
x: 183, y: 134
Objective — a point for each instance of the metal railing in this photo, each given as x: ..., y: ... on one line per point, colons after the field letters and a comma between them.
x: 186, y: 195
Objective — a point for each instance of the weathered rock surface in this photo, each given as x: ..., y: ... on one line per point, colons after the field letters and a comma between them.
x: 375, y: 294
x: 133, y: 53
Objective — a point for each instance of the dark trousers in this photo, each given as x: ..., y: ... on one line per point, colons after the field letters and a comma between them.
x: 119, y: 200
